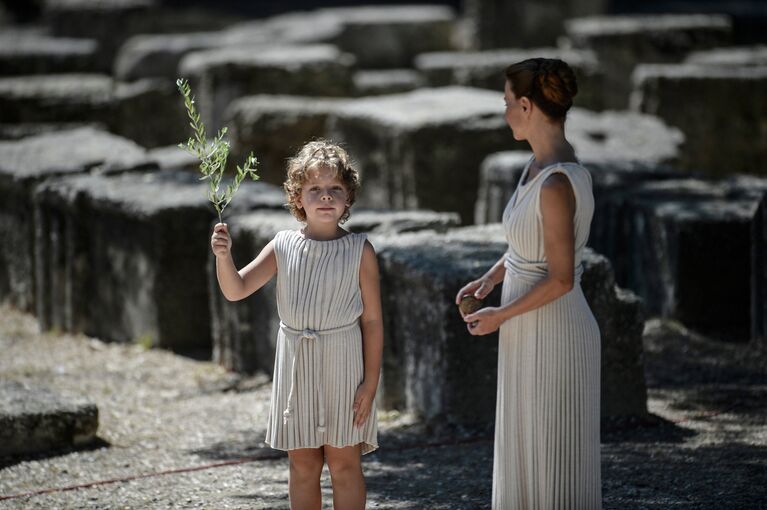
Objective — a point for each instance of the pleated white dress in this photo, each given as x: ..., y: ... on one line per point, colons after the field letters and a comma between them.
x: 547, y: 412
x: 319, y: 357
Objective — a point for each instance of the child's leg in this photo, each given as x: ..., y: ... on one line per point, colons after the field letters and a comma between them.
x: 346, y: 475
x: 304, y: 482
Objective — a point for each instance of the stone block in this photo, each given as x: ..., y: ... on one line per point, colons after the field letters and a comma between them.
x: 14, y: 131
x: 740, y: 56
x: 220, y: 76
x: 387, y: 81
x: 174, y: 157
x: 431, y: 367
x: 110, y: 21
x: 291, y: 28
x: 150, y: 112
x: 423, y: 148
x: 759, y: 273
x: 500, y: 174
x: 24, y: 52
x: 434, y: 368
x: 56, y: 98
x: 722, y: 111
x: 620, y: 314
x: 623, y: 136
x: 5, y: 16
x: 275, y: 128
x: 623, y: 42
x: 524, y: 23
x: 486, y: 69
x: 20, y: 12
x: 378, y: 36
x: 391, y: 36
x: 158, y: 55
x: 24, y: 164
x: 36, y: 420
x: 124, y: 257
x: 245, y: 332
x: 644, y: 211
x: 749, y: 19
x: 379, y: 222
x: 420, y: 149
x: 689, y: 248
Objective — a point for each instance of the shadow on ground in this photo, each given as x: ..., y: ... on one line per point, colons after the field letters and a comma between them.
x: 95, y: 444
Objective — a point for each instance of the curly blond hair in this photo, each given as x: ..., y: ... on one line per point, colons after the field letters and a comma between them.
x: 314, y: 154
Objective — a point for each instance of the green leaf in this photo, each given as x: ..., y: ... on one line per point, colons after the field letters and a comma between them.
x: 213, y: 154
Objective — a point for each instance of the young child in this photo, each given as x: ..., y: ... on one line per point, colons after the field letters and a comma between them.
x: 329, y: 346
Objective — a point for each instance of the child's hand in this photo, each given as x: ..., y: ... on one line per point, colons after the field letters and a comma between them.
x: 220, y: 242
x: 363, y: 402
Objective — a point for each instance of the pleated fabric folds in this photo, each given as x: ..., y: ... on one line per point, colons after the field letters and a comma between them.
x: 547, y: 442
x: 319, y: 355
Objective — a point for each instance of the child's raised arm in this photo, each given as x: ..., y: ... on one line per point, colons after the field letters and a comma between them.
x: 236, y: 285
x: 371, y: 323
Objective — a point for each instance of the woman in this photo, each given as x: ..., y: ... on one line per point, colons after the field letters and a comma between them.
x: 547, y: 411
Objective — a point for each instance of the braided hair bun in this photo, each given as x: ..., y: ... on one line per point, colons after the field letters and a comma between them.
x: 548, y: 82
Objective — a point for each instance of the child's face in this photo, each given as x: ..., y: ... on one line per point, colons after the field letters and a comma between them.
x: 323, y: 195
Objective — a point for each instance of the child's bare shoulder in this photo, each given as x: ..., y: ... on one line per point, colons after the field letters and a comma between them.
x: 368, y: 246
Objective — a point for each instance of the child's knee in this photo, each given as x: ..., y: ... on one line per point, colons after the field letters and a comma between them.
x: 306, y: 466
x: 344, y: 466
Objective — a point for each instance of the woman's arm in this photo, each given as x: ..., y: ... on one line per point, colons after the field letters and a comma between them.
x: 371, y: 323
x: 557, y: 210
x: 237, y: 285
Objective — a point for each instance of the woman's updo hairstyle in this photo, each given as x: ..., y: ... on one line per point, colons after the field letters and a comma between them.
x: 547, y: 82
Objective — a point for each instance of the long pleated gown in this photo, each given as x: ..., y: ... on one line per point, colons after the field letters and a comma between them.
x: 319, y: 357
x: 547, y: 411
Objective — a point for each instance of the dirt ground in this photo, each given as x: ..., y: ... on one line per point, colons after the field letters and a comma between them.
x: 180, y: 433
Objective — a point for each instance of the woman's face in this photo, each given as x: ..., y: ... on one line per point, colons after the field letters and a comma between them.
x: 516, y: 113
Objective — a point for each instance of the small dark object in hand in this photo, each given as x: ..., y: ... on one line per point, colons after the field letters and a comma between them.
x: 469, y: 304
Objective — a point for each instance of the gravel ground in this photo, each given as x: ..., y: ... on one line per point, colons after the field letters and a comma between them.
x: 705, y: 445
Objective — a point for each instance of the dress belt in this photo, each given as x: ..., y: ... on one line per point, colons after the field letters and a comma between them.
x: 532, y: 272
x: 310, y: 335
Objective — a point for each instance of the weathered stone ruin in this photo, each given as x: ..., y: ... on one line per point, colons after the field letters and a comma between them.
x: 35, y: 420
x: 124, y: 257
x: 29, y: 162
x: 436, y: 369
x: 106, y: 226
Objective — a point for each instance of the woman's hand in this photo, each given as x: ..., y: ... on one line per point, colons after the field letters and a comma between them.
x: 484, y: 321
x: 479, y: 288
x: 220, y: 242
x: 363, y: 402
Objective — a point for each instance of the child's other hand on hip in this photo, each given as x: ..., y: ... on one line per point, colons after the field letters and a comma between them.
x: 363, y: 402
x: 220, y: 242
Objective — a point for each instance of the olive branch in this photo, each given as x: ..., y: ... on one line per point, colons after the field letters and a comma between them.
x: 213, y: 155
